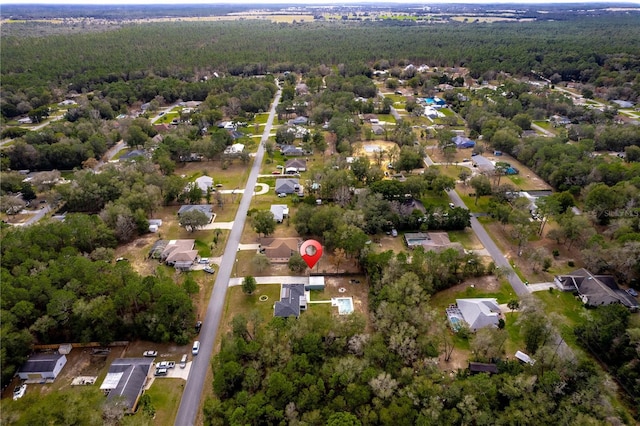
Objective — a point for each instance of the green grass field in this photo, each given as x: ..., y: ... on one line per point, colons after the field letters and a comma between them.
x: 165, y: 397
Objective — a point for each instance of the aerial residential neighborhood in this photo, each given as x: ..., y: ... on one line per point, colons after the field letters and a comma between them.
x: 306, y: 215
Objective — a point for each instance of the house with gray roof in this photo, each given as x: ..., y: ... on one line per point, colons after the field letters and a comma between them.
x: 204, y: 183
x: 291, y: 150
x: 204, y: 208
x: 479, y: 313
x: 295, y: 165
x: 595, y: 290
x: 287, y: 186
x: 279, y: 211
x: 126, y: 379
x: 301, y: 120
x: 292, y: 301
x: 133, y: 154
x: 42, y: 367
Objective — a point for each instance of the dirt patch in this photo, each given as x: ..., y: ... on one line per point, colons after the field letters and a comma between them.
x: 485, y: 284
x: 459, y: 360
x: 353, y: 286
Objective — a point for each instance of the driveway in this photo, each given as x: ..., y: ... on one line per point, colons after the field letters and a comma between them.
x: 284, y: 279
x: 262, y: 188
x: 542, y: 130
x: 35, y: 216
x: 193, y: 390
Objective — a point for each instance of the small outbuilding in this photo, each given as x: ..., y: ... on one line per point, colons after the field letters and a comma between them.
x: 522, y: 357
x: 42, y: 367
x: 480, y: 367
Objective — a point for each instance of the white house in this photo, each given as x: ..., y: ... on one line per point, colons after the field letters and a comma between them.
x: 236, y: 148
x: 204, y: 183
x: 279, y: 211
x: 479, y: 313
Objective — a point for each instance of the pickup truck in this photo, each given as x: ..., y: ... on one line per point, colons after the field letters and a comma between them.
x: 166, y: 364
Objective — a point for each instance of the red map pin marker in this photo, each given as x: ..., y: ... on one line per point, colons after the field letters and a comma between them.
x: 311, y: 252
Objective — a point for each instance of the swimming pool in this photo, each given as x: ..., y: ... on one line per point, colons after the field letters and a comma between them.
x: 344, y: 304
x: 456, y: 323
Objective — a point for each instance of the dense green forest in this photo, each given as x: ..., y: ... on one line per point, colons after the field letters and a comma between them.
x: 59, y: 284
x: 601, y: 51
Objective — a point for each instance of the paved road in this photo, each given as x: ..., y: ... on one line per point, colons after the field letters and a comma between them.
x: 498, y: 258
x: 190, y: 403
x: 518, y: 286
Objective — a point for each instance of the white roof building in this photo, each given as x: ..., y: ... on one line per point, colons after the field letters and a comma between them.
x: 204, y: 183
x: 236, y: 148
x: 479, y: 313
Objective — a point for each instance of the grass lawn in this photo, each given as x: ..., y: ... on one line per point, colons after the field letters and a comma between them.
x: 387, y: 118
x: 227, y: 212
x: 165, y: 397
x: 461, y: 343
x: 451, y: 170
x: 503, y: 295
x: 432, y: 198
x: 167, y: 118
x: 444, y: 298
x: 515, y: 341
x: 260, y: 118
x: 203, y: 248
x: 544, y: 124
x: 568, y: 307
x: 240, y: 303
x: 467, y: 238
x: 470, y: 202
x: 447, y: 112
x: 517, y: 180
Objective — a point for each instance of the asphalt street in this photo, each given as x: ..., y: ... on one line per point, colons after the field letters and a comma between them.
x: 190, y: 403
x: 498, y: 258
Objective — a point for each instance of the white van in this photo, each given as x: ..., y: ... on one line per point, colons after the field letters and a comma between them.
x: 196, y: 347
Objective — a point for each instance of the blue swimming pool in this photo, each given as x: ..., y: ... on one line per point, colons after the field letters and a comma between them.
x: 344, y: 304
x: 456, y: 323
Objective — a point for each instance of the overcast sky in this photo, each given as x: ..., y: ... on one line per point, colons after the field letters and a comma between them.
x: 336, y: 2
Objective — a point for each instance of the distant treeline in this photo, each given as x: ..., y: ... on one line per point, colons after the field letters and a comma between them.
x: 585, y: 50
x: 126, y: 11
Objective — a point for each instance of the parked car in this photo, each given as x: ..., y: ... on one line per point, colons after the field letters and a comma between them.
x: 282, y: 195
x: 183, y: 361
x: 198, y: 326
x: 18, y: 391
x: 204, y: 261
x: 209, y: 270
x: 150, y: 353
x: 632, y: 292
x: 196, y: 347
x: 161, y: 372
x: 394, y: 233
x: 451, y: 205
x: 166, y: 364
